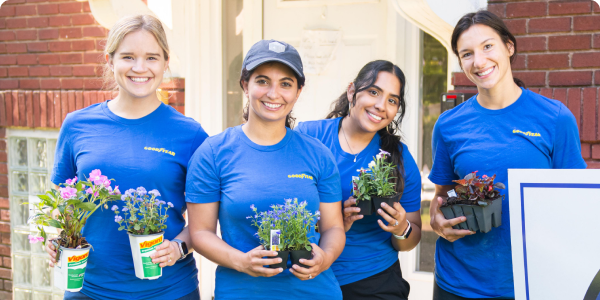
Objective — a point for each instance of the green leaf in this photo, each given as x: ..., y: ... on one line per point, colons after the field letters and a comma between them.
x: 88, y: 206
x: 121, y: 228
x: 44, y: 197
x: 54, y: 223
x: 136, y: 227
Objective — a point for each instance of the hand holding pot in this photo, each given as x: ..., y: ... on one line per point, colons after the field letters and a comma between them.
x: 393, y: 215
x: 52, y: 252
x: 166, y: 254
x: 316, y: 265
x: 350, y: 213
x: 443, y: 227
x: 252, y: 263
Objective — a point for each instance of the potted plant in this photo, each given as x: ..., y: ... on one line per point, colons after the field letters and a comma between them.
x: 270, y: 234
x: 478, y: 199
x: 362, y: 186
x: 384, y: 185
x: 297, y: 225
x: 144, y: 219
x: 68, y: 209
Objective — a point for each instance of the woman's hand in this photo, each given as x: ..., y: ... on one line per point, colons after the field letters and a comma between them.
x: 443, y: 227
x: 52, y: 252
x: 316, y: 265
x: 395, y: 216
x: 252, y: 263
x: 166, y: 254
x: 350, y: 213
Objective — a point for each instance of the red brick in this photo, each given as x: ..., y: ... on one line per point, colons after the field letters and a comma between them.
x: 4, y: 227
x: 594, y: 152
x: 5, y: 240
x: 589, y: 114
x: 43, y: 110
x: 64, y: 104
x: 69, y: 8
x: 39, y: 71
x: 14, y: 2
x: 531, y: 43
x: 2, y: 23
x: 48, y: 34
x: 586, y: 60
x: 548, y: 61
x: 6, y: 118
x: 71, y: 101
x: 546, y: 92
x: 6, y: 262
x: 16, y: 23
x: 29, y: 84
x: 37, y: 22
x: 83, y: 45
x: 94, y: 31
x: 37, y: 47
x: 5, y: 215
x: 26, y: 59
x: 516, y: 27
x: 597, y: 78
x: 50, y: 84
x: 87, y: 95
x: 92, y: 84
x: 56, y: 110
x: 36, y: 109
x: 460, y: 79
x: 29, y: 105
x: 100, y: 44
x: 3, y: 72
x: 70, y: 33
x: 570, y: 42
x: 497, y: 9
x: 58, y: 21
x: 7, y: 11
x: 176, y: 97
x: 595, y: 7
x: 16, y: 48
x: 93, y: 57
x: 574, y: 104
x: 61, y: 46
x: 86, y: 7
x: 84, y: 70
x: 175, y: 83
x: 79, y: 100
x: 49, y: 59
x: 17, y: 71
x: 586, y: 23
x: 8, y: 59
x: 549, y: 25
x: 569, y: 8
x: 47, y: 9
x: 25, y: 10
x: 180, y: 109
x: 597, y: 40
x: 6, y: 35
x: 61, y: 70
x: 72, y: 84
x: 570, y: 78
x: 29, y: 34
x: 83, y: 19
x: 22, y: 113
x: 5, y: 273
x: 71, y: 58
x: 525, y: 9
x: 532, y: 78
x: 3, y: 147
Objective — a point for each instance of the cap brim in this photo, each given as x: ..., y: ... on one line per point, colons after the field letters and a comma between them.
x: 251, y: 66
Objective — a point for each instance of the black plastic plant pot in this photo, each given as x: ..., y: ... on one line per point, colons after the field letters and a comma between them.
x: 284, y: 259
x: 479, y: 218
x: 387, y: 200
x: 366, y: 207
x: 298, y: 254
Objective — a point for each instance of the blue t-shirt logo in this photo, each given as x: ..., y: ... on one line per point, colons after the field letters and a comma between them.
x: 301, y: 176
x: 162, y: 150
x: 528, y: 133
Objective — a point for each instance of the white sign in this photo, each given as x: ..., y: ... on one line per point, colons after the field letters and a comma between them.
x: 317, y: 49
x: 554, y: 233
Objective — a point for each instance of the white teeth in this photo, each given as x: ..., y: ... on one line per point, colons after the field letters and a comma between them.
x: 272, y: 105
x: 374, y: 116
x: 139, y: 79
x: 486, y: 72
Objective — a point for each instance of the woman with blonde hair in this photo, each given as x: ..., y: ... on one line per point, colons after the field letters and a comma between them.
x: 114, y: 136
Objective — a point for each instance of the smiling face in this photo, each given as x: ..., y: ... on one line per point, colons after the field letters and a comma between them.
x: 377, y: 106
x: 138, y: 65
x: 484, y: 57
x: 272, y: 91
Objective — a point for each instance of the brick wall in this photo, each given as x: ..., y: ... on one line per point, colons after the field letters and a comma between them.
x: 559, y: 57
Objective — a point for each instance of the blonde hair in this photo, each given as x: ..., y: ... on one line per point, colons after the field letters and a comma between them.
x: 125, y: 26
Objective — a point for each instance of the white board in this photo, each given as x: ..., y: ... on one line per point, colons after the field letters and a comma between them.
x: 554, y: 233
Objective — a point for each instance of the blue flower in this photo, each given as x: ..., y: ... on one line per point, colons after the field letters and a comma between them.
x: 118, y: 219
x: 123, y: 197
x: 125, y: 209
x: 114, y: 207
x: 170, y: 204
x: 252, y: 207
x: 129, y: 192
x: 154, y: 192
x: 141, y: 191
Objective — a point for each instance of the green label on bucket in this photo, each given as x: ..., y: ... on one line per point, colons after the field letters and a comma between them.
x: 150, y: 269
x: 75, y: 278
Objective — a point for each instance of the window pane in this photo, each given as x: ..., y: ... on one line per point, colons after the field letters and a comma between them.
x: 20, y: 243
x: 20, y: 182
x: 39, y: 153
x: 39, y: 183
x: 18, y: 152
x: 22, y: 273
x: 21, y: 294
x: 42, y: 296
x: 19, y: 212
x: 41, y: 273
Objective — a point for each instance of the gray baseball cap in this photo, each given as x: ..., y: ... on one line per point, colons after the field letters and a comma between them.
x: 271, y: 50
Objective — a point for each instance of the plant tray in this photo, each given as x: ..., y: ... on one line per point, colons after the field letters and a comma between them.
x: 479, y: 218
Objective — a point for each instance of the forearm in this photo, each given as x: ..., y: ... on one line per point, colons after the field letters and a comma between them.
x: 184, y: 236
x: 209, y: 245
x: 332, y: 242
x: 411, y: 242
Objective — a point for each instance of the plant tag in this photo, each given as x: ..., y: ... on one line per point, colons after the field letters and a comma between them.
x: 451, y: 193
x: 275, y: 233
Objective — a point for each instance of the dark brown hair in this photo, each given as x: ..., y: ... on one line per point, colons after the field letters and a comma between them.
x: 488, y: 19
x: 389, y: 136
x: 245, y: 76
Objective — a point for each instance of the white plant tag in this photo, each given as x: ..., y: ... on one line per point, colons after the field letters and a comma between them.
x: 275, y: 233
x: 451, y: 193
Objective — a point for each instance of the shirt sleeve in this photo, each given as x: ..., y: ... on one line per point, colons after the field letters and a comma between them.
x: 567, y: 145
x: 202, y: 183
x: 442, y: 171
x: 301, y: 127
x: 411, y: 195
x: 329, y: 184
x: 201, y: 135
x: 64, y: 159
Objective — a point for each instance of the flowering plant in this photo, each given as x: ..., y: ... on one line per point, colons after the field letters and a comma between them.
x: 143, y: 213
x: 292, y: 219
x: 376, y: 180
x: 362, y: 185
x: 474, y: 190
x: 75, y: 201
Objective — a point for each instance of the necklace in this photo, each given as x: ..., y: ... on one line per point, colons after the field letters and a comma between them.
x: 347, y: 143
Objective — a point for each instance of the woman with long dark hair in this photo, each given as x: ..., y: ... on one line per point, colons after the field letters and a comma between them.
x: 365, y: 120
x: 488, y: 134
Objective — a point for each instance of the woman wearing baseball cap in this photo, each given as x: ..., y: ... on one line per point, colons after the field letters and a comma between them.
x: 253, y: 165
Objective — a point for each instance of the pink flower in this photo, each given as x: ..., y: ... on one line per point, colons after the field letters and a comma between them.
x: 35, y: 239
x: 95, y: 174
x: 106, y: 182
x: 116, y: 191
x: 89, y: 191
x: 68, y: 192
x: 72, y: 181
x: 100, y: 180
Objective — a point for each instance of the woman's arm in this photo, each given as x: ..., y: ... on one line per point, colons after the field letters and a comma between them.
x: 397, y: 213
x: 168, y: 253
x: 203, y: 232
x: 439, y: 224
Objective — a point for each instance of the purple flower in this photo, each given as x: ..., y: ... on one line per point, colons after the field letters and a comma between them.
x: 114, y: 207
x: 154, y: 192
x: 170, y: 204
x: 129, y: 192
x: 72, y: 181
x: 383, y: 152
x: 118, y: 218
x: 141, y: 191
x: 252, y: 207
x: 68, y: 192
x: 123, y: 197
x: 125, y: 209
x: 35, y: 239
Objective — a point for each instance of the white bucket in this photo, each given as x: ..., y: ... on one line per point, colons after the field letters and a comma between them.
x: 70, y: 268
x: 142, y: 246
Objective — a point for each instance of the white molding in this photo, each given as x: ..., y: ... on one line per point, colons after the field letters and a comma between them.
x: 32, y: 133
x: 312, y: 3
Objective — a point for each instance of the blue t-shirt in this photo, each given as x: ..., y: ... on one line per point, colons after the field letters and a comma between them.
x: 368, y: 248
x: 231, y: 169
x: 532, y: 133
x: 153, y: 152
